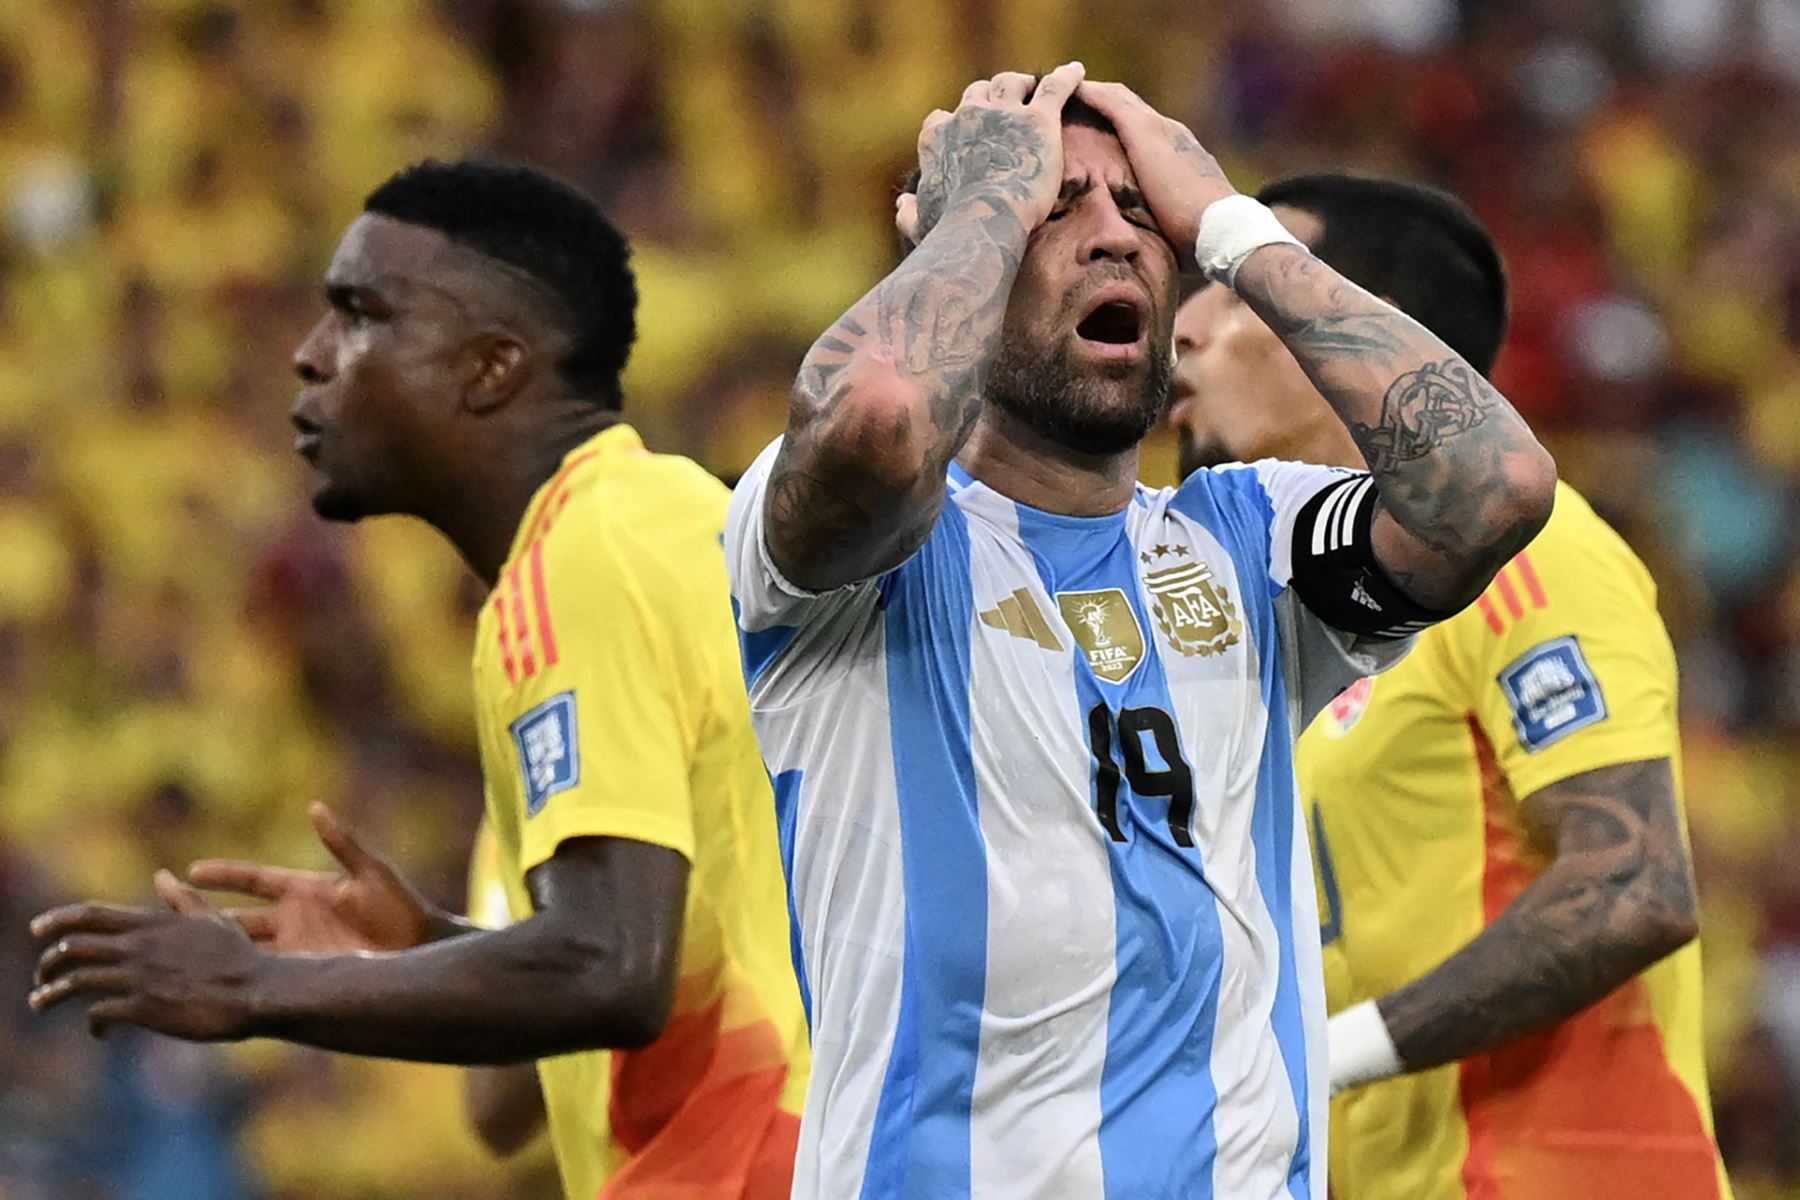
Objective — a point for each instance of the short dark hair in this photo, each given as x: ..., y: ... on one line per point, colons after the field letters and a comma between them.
x: 1419, y: 247
x: 546, y: 229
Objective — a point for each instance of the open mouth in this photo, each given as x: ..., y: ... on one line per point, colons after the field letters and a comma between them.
x: 1115, y: 324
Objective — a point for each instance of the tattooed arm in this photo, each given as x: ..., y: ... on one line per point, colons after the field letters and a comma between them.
x: 888, y: 394
x: 1617, y: 897
x: 1463, y: 484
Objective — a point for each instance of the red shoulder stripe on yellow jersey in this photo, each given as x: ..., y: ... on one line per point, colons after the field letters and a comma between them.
x: 1534, y: 587
x: 521, y: 626
x: 506, y: 655
x: 540, y: 599
x: 1508, y: 592
x: 552, y: 493
x: 523, y: 637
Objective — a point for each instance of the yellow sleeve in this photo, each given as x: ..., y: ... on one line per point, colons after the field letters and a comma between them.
x: 1568, y: 663
x: 598, y: 732
x: 487, y: 903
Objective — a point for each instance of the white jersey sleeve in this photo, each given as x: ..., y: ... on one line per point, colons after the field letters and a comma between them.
x: 763, y: 595
x: 792, y: 638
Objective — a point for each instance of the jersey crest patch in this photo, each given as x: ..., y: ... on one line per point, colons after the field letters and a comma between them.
x: 1107, y: 630
x: 549, y: 758
x: 1194, y: 610
x: 1553, y: 693
x: 1342, y: 714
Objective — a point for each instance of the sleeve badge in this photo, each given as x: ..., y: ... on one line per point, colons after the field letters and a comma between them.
x: 549, y: 758
x: 1553, y: 693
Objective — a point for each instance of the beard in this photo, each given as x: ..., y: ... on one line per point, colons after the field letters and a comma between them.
x: 1098, y: 411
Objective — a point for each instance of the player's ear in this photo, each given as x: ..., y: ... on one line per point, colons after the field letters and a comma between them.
x: 499, y: 364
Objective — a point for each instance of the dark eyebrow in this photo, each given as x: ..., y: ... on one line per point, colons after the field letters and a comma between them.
x: 1073, y: 189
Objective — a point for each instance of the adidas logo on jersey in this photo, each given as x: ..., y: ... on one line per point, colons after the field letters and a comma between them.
x: 1360, y: 594
x: 1019, y: 615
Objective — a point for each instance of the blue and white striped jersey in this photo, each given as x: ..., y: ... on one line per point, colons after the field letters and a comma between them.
x: 1053, y: 906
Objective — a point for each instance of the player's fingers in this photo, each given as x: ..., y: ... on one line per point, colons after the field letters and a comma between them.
x: 258, y: 923
x: 342, y: 843
x: 180, y: 897
x: 252, y: 879
x: 88, y: 918
x: 906, y: 217
x: 107, y: 1013
x: 935, y: 120
x: 1010, y: 85
x: 975, y: 93
x: 1114, y: 101
x: 84, y: 981
x: 76, y: 950
x: 1053, y: 90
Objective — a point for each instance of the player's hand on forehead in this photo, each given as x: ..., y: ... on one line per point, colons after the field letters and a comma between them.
x: 1175, y: 172
x: 1002, y: 145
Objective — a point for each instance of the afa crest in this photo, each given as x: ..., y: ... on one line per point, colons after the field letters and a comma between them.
x: 1193, y: 609
x: 1106, y: 629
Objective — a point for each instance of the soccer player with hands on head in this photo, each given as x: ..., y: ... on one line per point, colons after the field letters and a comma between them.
x: 1030, y: 722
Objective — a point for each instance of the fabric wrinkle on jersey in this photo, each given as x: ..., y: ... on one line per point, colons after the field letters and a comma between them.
x: 1413, y: 783
x: 610, y: 703
x: 1052, y: 906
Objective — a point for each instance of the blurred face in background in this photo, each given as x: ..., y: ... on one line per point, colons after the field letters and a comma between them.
x: 1238, y: 394
x: 1085, y: 349
x: 382, y: 373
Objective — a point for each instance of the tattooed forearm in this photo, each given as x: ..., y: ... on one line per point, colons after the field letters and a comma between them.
x: 1617, y: 897
x: 887, y: 396
x: 1463, y: 483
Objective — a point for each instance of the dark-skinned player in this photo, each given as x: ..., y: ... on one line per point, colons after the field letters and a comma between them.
x: 467, y: 373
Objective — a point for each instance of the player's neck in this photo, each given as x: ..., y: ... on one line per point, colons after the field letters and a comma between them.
x: 1023, y: 465
x: 482, y: 520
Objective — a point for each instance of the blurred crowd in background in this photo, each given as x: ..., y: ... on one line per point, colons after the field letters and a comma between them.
x: 187, y: 656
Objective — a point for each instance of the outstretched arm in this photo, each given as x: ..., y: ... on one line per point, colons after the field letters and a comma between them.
x: 887, y: 396
x: 1618, y: 897
x: 594, y: 968
x: 1463, y: 485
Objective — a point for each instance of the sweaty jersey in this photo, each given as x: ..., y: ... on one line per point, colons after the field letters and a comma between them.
x: 1054, y: 916
x: 610, y: 704
x: 1414, y: 781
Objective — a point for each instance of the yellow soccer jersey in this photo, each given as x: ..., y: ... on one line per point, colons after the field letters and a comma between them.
x: 610, y: 702
x: 1413, y: 781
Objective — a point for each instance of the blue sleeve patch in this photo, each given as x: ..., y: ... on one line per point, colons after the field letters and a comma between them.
x: 1553, y: 693
x: 549, y: 758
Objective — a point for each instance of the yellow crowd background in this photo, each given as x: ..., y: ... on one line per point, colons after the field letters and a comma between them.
x: 187, y: 656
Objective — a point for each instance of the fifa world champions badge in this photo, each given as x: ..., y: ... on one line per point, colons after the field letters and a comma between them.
x: 1193, y: 609
x: 1106, y: 629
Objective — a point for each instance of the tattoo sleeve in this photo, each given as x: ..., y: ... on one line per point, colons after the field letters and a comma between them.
x: 1617, y: 897
x: 887, y: 396
x: 1463, y: 483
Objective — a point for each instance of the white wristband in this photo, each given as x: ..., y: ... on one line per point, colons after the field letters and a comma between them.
x: 1231, y: 230
x: 1362, y: 1050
